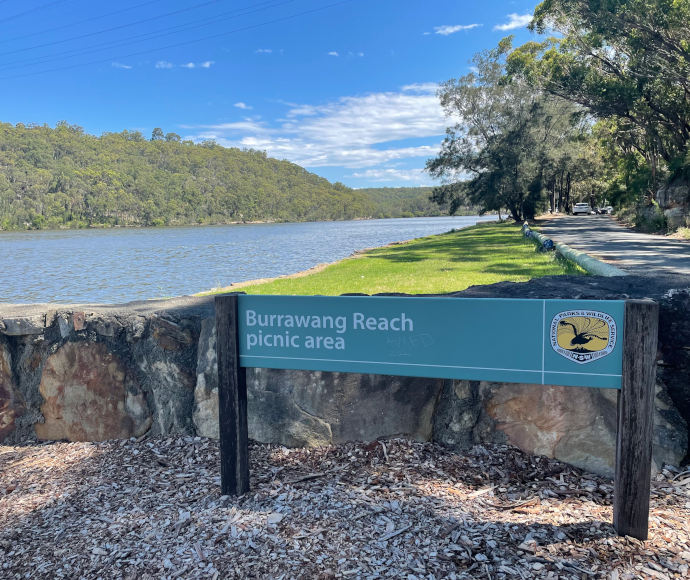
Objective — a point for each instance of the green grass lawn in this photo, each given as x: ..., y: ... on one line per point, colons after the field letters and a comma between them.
x: 482, y: 254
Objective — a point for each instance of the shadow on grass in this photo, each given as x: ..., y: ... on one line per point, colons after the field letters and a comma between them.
x: 499, y: 246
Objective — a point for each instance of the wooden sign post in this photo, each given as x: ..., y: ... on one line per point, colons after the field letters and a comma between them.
x: 232, y: 400
x: 635, y: 420
x: 606, y: 344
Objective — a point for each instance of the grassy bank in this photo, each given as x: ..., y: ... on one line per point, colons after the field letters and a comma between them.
x: 482, y: 254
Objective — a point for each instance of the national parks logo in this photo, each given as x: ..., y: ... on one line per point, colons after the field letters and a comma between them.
x: 583, y: 335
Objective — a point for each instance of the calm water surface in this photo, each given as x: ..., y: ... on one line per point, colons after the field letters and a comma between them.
x: 119, y: 265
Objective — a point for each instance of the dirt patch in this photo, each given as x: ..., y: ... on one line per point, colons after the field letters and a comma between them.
x: 152, y: 509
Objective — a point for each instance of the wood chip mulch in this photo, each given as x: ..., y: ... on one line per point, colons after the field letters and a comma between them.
x: 387, y: 509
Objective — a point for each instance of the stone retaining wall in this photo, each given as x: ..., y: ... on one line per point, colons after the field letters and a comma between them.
x: 101, y: 372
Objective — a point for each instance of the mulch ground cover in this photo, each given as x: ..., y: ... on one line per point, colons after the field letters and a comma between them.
x: 152, y: 508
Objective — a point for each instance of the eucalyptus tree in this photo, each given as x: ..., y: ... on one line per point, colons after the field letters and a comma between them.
x: 503, y: 148
x: 624, y: 60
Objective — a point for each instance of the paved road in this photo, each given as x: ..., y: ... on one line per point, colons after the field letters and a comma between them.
x: 602, y: 237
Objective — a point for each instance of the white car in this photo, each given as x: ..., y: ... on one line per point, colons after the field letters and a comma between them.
x: 582, y: 208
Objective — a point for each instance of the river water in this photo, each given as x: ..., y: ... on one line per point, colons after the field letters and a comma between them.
x: 119, y: 265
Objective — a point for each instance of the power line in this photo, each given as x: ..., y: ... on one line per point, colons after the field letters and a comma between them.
x: 186, y: 43
x: 78, y: 22
x: 145, y: 36
x: 31, y: 10
x: 111, y: 29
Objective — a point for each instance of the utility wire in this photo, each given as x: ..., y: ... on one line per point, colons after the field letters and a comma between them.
x: 78, y: 22
x: 111, y: 29
x: 185, y: 43
x: 31, y: 10
x: 145, y: 36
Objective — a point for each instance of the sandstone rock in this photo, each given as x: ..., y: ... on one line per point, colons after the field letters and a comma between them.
x: 676, y: 217
x: 165, y: 359
x: 674, y: 194
x: 11, y: 402
x: 314, y: 408
x: 273, y: 417
x: 375, y: 406
x: 206, y: 390
x: 78, y: 320
x: 574, y: 424
x: 457, y: 414
x: 89, y: 395
x: 106, y: 326
x: 170, y: 335
x: 670, y: 431
x: 674, y: 200
x: 170, y: 387
x: 64, y: 323
x: 24, y: 325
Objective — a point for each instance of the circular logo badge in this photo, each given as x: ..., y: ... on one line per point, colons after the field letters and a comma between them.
x: 583, y: 336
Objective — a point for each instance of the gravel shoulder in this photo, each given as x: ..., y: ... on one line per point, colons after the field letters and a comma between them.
x: 152, y: 509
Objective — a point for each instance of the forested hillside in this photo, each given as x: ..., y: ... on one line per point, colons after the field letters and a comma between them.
x: 394, y: 202
x: 62, y: 177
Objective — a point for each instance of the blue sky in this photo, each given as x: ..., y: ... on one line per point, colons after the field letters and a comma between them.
x: 344, y: 88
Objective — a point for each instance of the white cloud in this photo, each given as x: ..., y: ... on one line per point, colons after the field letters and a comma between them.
x: 447, y: 29
x: 218, y: 131
x: 429, y: 88
x: 164, y: 64
x: 356, y: 132
x: 263, y: 51
x: 333, y: 53
x: 242, y: 105
x: 395, y: 175
x: 120, y: 65
x: 515, y: 21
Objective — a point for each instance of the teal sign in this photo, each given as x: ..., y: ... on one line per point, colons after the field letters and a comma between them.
x: 549, y: 342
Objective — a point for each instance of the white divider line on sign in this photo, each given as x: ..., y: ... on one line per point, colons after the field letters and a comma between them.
x: 372, y: 362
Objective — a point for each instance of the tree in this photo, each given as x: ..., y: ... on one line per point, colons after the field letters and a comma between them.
x: 157, y: 134
x: 504, y: 141
x: 625, y: 60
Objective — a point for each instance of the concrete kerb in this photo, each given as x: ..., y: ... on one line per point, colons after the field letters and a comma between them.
x: 585, y: 261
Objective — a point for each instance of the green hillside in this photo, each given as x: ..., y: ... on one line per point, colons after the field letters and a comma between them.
x: 62, y: 177
x: 408, y: 202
